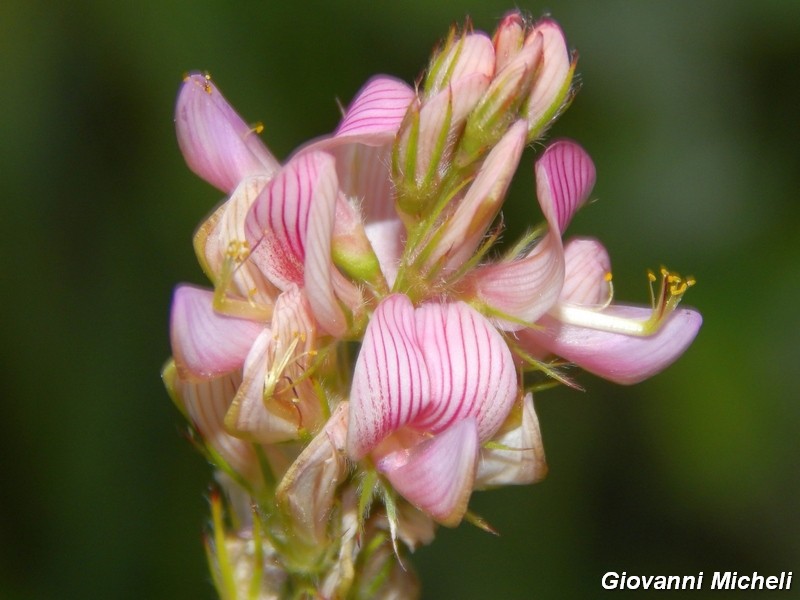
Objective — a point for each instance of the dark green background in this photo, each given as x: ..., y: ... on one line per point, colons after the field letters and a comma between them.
x: 690, y: 110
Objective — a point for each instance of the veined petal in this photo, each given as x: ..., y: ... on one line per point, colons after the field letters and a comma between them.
x: 437, y: 475
x: 565, y: 176
x: 587, y: 273
x: 614, y: 356
x: 376, y: 112
x: 518, y: 455
x: 364, y: 177
x: 216, y: 143
x: 525, y: 288
x: 390, y: 382
x: 470, y: 367
x: 207, y: 344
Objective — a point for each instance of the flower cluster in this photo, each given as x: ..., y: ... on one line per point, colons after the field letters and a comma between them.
x: 365, y: 356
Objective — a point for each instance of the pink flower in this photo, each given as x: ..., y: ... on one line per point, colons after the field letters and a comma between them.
x: 431, y: 384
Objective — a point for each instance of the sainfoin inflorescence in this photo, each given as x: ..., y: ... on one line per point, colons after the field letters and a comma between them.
x: 366, y: 354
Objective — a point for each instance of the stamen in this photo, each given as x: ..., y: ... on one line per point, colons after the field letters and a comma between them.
x: 671, y: 291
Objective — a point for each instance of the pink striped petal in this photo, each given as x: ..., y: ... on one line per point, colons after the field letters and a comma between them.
x: 437, y: 475
x: 470, y: 367
x: 565, y: 176
x: 277, y: 224
x: 376, y: 112
x: 621, y: 358
x: 207, y: 344
x: 390, y: 382
x: 587, y: 267
x: 525, y: 288
x: 216, y: 143
x: 519, y: 459
x: 364, y: 176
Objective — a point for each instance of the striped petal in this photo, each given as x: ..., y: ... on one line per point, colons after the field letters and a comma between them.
x: 470, y: 368
x: 565, y: 176
x: 551, y: 87
x: 216, y: 143
x: 390, y: 382
x: 621, y: 358
x: 207, y: 344
x: 437, y: 475
x: 376, y: 112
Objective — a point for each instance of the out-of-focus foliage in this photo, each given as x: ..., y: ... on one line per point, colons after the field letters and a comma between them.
x: 689, y: 110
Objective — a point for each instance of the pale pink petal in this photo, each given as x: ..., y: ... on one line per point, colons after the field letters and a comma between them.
x: 565, y: 176
x: 508, y: 39
x: 465, y: 229
x: 554, y: 76
x: 216, y: 143
x: 321, y: 277
x: 617, y: 357
x: 387, y: 239
x: 206, y: 403
x: 473, y: 55
x: 376, y: 112
x: 390, y: 382
x: 364, y: 177
x: 471, y: 370
x: 207, y: 344
x: 251, y: 416
x: 437, y: 475
x: 587, y: 267
x: 525, y: 288
x: 519, y: 457
x: 307, y: 492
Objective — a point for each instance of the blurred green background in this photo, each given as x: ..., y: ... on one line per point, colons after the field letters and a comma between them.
x: 690, y: 110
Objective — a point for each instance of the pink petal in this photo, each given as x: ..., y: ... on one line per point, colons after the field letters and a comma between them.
x: 390, y: 382
x: 277, y: 223
x: 586, y: 266
x: 554, y: 75
x: 476, y: 211
x: 437, y: 475
x: 387, y: 239
x: 525, y: 288
x: 322, y: 280
x: 471, y: 370
x: 521, y: 459
x: 364, y: 176
x: 618, y: 357
x: 565, y: 176
x: 376, y: 112
x: 250, y: 416
x: 216, y: 143
x: 473, y: 55
x: 206, y: 403
x: 508, y: 39
x: 207, y: 344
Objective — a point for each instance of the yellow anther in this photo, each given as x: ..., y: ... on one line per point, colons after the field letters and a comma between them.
x: 207, y: 85
x: 238, y: 250
x: 257, y: 128
x: 608, y: 277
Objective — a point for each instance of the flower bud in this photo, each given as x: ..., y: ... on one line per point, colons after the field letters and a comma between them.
x: 508, y: 39
x: 471, y: 54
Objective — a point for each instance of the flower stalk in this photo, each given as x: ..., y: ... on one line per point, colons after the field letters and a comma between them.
x: 361, y: 361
